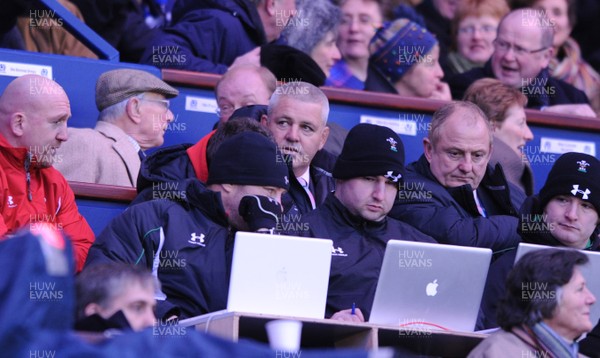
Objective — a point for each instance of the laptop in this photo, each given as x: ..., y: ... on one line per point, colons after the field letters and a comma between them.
x: 425, y: 286
x: 279, y: 275
x: 588, y: 270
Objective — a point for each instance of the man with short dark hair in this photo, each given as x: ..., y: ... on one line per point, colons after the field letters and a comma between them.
x: 522, y: 52
x: 115, y: 295
x: 367, y: 174
x: 451, y: 193
x: 187, y: 241
x: 134, y: 115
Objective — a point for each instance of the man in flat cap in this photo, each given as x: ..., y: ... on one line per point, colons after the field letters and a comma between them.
x: 134, y: 115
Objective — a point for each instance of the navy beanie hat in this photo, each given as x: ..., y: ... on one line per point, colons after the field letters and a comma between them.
x: 248, y: 158
x: 573, y: 174
x: 371, y: 150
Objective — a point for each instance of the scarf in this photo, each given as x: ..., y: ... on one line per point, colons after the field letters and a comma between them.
x: 545, y: 341
x: 573, y: 69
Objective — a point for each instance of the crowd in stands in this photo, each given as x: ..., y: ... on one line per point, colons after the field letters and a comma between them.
x: 273, y: 156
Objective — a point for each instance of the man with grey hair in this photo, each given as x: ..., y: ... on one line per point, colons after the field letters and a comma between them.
x: 297, y: 118
x: 134, y: 115
x: 452, y: 184
x: 522, y: 51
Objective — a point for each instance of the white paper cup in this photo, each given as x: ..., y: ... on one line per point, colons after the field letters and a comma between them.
x: 284, y: 335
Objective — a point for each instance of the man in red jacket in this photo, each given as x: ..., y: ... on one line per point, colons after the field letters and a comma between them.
x: 33, y: 123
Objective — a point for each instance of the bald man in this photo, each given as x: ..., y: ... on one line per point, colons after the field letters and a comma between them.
x: 33, y: 123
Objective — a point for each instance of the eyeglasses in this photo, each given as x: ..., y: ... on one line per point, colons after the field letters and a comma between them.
x: 503, y: 46
x: 470, y: 30
x: 165, y: 102
x: 225, y: 110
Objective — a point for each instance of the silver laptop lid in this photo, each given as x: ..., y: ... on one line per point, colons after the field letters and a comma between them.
x: 430, y: 286
x: 280, y: 275
x: 588, y: 270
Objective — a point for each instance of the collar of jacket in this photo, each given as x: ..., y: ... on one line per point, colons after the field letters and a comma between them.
x: 198, y: 196
x: 493, y: 181
x: 352, y: 220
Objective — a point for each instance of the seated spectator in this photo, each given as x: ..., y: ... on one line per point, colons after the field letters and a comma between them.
x: 504, y: 107
x: 545, y: 309
x: 172, y: 164
x: 297, y: 118
x: 122, y: 24
x: 453, y: 183
x: 33, y: 123
x: 134, y: 115
x: 243, y: 86
x: 359, y: 22
x: 404, y: 60
x: 314, y: 32
x: 355, y: 218
x: 567, y: 63
x: 115, y: 296
x: 522, y: 53
x: 438, y: 16
x: 474, y: 30
x: 187, y: 242
x: 564, y: 213
x: 205, y: 37
x: 42, y: 33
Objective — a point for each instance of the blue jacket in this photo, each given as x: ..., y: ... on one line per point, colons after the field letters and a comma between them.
x: 543, y: 91
x: 186, y: 241
x: 206, y: 36
x: 357, y: 253
x: 450, y: 215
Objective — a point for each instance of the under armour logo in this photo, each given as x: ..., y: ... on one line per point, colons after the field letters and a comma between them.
x: 393, y: 143
x: 339, y: 250
x: 584, y: 194
x: 583, y: 166
x: 390, y: 175
x: 197, y: 240
x: 11, y: 203
x: 287, y: 181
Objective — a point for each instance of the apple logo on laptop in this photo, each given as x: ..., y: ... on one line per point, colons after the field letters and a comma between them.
x: 431, y: 288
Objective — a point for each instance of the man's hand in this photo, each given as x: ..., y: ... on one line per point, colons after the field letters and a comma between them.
x: 346, y: 315
x: 260, y: 213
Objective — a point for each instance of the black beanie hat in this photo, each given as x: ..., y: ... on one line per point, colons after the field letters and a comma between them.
x: 248, y: 158
x: 371, y: 150
x: 289, y: 64
x: 574, y: 174
x: 255, y: 111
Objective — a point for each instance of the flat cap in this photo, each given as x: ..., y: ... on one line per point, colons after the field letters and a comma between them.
x: 118, y: 85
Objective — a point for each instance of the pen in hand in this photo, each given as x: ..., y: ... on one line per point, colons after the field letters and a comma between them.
x: 353, y: 308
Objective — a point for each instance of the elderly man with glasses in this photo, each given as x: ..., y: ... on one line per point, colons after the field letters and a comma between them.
x: 522, y: 52
x: 134, y: 115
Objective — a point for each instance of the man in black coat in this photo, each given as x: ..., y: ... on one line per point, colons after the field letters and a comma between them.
x: 367, y: 173
x: 522, y: 52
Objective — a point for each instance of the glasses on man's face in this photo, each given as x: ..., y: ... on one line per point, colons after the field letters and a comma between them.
x: 470, y: 30
x: 225, y: 110
x: 503, y: 47
x: 166, y: 103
